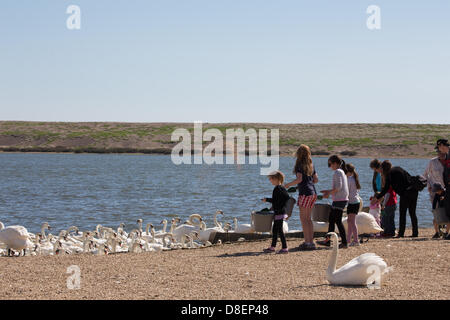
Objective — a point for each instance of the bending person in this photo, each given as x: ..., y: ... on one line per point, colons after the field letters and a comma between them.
x: 400, y: 180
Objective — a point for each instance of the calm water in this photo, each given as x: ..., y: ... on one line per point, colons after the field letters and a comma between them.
x: 89, y: 189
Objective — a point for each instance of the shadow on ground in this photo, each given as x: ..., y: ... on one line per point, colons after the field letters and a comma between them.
x: 259, y: 253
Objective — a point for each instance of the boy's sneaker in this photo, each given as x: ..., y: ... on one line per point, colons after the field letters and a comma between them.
x: 283, y: 251
x: 354, y: 244
x: 436, y: 236
x: 270, y: 249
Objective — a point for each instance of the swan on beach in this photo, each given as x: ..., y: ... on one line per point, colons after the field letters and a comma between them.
x: 216, y: 223
x: 242, y: 228
x: 205, y: 233
x: 188, y: 227
x: 44, y: 226
x: 15, y: 238
x: 121, y: 231
x: 358, y: 271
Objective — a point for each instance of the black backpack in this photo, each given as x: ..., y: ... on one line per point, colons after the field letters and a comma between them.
x: 418, y: 183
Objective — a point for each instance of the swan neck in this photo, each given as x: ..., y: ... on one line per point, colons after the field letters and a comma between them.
x: 44, y: 236
x: 334, y: 254
x: 153, y: 235
x: 217, y: 224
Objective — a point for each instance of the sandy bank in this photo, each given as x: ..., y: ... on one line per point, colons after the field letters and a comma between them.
x: 231, y: 271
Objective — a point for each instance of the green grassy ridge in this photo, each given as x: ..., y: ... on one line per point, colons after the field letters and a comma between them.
x: 320, y: 137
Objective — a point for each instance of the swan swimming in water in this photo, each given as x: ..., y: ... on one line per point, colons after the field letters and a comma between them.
x: 358, y: 271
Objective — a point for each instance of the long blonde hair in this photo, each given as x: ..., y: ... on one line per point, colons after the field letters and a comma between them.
x: 304, y: 161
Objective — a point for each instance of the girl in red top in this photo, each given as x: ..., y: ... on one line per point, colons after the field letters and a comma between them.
x: 388, y: 215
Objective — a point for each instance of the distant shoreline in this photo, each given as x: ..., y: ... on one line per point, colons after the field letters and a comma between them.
x: 357, y: 140
x: 167, y: 154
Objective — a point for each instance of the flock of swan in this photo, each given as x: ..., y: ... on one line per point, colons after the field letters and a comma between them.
x: 16, y: 240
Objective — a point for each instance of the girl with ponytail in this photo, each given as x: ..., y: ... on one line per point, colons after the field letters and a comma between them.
x: 339, y: 193
x: 353, y: 203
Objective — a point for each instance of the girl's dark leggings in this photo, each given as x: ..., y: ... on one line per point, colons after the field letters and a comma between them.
x: 336, y: 218
x: 277, y: 230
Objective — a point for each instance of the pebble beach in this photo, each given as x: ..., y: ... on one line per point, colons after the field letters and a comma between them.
x: 231, y: 271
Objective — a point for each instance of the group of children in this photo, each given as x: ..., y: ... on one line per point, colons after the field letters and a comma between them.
x: 344, y: 192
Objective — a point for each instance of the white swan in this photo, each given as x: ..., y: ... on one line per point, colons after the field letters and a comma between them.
x: 45, y: 226
x: 205, y: 233
x: 366, y: 223
x: 15, y: 237
x: 44, y: 246
x: 187, y: 228
x: 216, y: 223
x: 154, y: 246
x: 163, y: 231
x: 242, y: 228
x: 362, y: 270
x: 121, y: 231
x: 139, y: 222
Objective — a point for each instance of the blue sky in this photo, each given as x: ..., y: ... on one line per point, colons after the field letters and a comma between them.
x: 225, y: 61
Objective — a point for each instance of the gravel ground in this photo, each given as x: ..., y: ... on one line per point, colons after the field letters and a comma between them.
x: 231, y: 271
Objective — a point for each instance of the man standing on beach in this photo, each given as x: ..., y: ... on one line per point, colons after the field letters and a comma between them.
x: 434, y: 173
x: 444, y: 147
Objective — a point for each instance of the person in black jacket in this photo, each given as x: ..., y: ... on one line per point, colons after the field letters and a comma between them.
x: 279, y: 198
x: 400, y: 180
x: 444, y: 146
